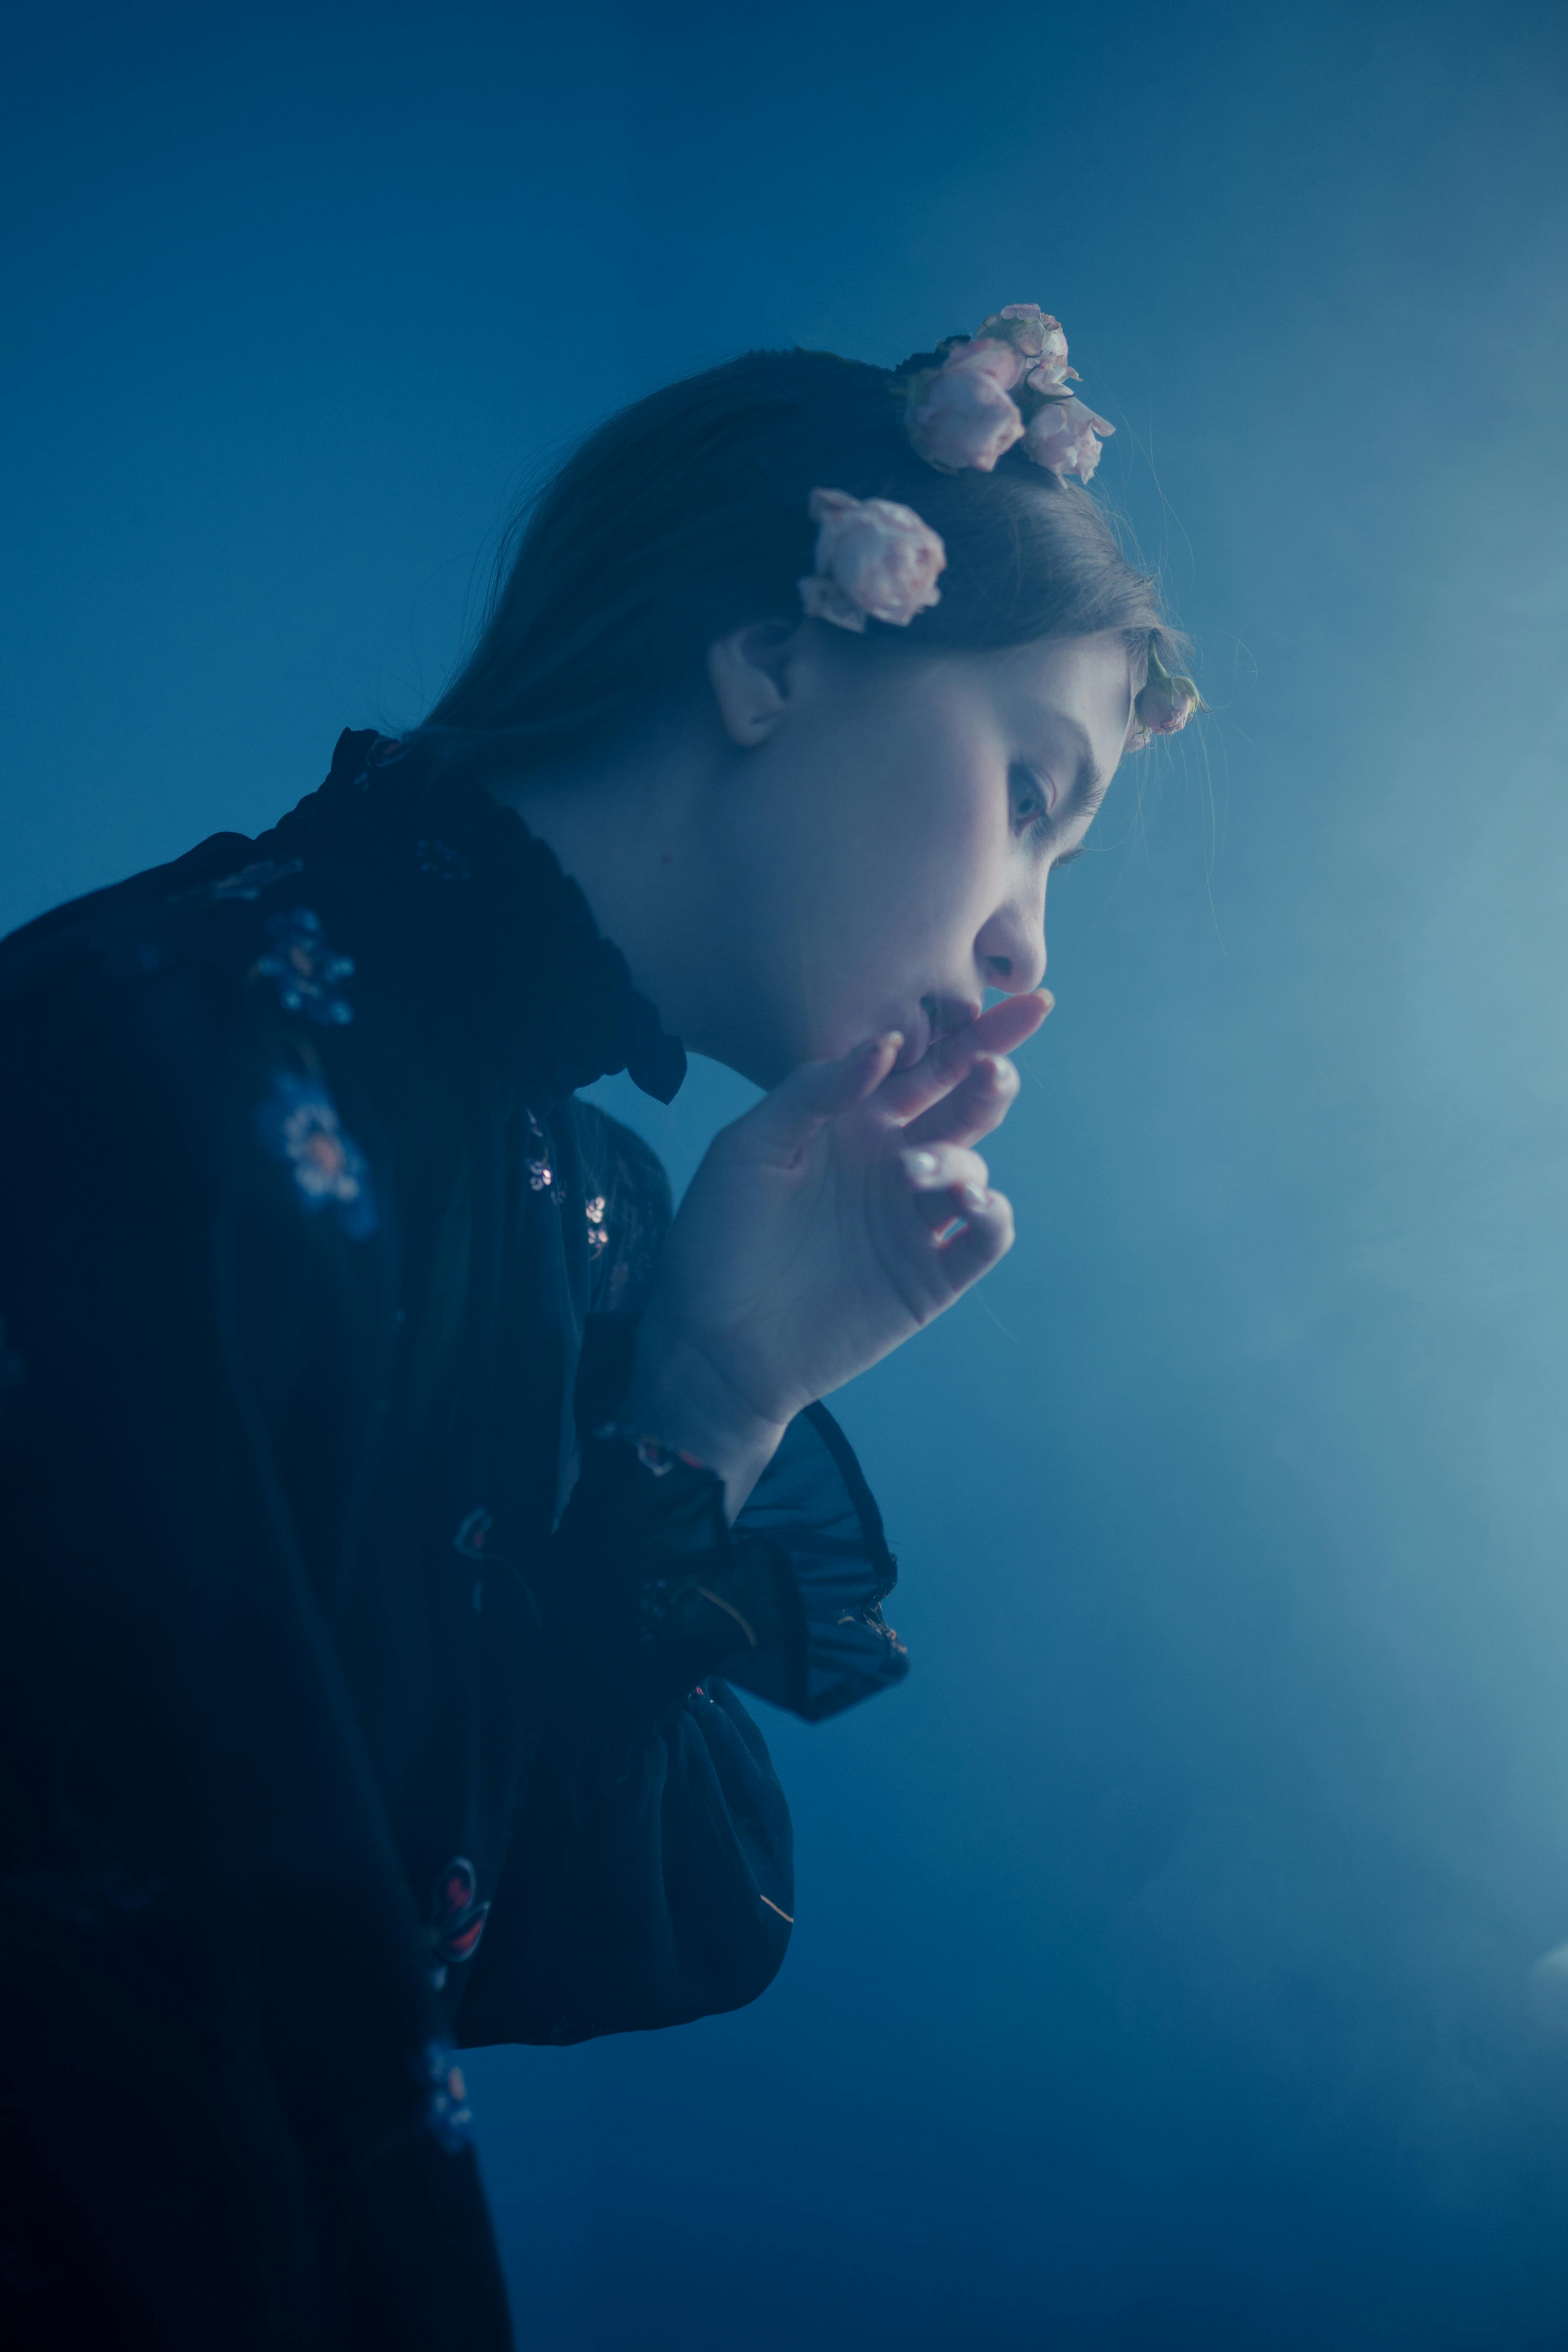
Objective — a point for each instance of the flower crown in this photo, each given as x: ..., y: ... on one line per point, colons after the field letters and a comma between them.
x: 875, y: 560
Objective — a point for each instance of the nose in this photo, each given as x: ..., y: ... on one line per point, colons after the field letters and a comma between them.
x: 1010, y: 952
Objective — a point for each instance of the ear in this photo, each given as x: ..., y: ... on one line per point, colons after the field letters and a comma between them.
x: 750, y: 673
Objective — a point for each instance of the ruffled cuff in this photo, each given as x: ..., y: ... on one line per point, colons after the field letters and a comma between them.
x: 656, y: 1589
x: 813, y: 1507
x: 658, y: 1592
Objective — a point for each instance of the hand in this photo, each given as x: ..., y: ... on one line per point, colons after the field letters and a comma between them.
x: 822, y: 1231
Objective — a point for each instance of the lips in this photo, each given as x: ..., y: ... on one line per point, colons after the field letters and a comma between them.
x: 939, y: 1016
x: 918, y: 1034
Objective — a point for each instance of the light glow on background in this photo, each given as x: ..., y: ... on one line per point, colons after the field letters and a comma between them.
x: 1162, y: 1973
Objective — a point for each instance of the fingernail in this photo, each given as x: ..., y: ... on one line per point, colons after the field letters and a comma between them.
x: 923, y: 1163
x: 972, y: 1198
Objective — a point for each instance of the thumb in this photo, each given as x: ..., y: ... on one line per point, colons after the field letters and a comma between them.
x: 784, y: 1123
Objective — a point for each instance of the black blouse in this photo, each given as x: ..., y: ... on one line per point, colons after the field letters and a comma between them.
x: 367, y: 1689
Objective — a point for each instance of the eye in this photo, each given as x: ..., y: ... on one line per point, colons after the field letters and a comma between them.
x: 1030, y: 800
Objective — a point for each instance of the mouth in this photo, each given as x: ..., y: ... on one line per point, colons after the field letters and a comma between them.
x: 938, y: 1017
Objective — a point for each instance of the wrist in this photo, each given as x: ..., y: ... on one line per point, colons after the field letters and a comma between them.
x: 677, y: 1398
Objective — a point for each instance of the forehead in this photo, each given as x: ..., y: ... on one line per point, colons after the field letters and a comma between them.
x: 1086, y: 680
x: 1066, y: 703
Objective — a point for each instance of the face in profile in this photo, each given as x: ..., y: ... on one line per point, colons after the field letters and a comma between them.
x: 888, y: 840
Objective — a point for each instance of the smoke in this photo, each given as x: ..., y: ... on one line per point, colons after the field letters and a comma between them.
x: 1180, y: 1955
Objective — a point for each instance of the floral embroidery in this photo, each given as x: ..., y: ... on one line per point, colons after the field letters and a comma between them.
x: 305, y: 968
x: 299, y: 1123
x: 438, y: 858
x: 541, y: 1175
x: 599, y: 1232
x: 248, y: 883
x: 456, y: 1919
x: 449, y: 2118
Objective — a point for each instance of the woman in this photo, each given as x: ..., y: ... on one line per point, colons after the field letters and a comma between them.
x: 389, y: 1502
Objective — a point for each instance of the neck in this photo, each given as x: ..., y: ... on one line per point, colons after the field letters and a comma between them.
x: 627, y: 826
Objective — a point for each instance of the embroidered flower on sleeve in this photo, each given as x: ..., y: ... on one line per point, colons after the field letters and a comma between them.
x: 298, y: 1124
x: 541, y: 1174
x: 456, y: 1919
x: 433, y: 855
x: 304, y: 969
x: 599, y: 1232
x: 449, y: 2118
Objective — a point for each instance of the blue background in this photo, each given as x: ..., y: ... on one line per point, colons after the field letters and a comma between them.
x: 1162, y: 1974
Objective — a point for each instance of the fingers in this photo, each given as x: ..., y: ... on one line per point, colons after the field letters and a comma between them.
x: 977, y: 1105
x: 906, y: 1093
x: 785, y: 1122
x: 1004, y: 1026
x: 984, y: 1239
x: 967, y: 1226
x: 947, y: 1182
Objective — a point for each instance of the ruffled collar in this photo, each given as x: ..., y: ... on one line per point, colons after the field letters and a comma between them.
x: 551, y: 993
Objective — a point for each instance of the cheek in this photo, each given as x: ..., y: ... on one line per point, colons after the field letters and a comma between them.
x: 878, y: 847
x: 950, y: 837
x: 907, y: 833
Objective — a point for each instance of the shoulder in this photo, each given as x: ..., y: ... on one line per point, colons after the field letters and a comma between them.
x: 177, y: 969
x: 180, y: 1021
x: 201, y: 911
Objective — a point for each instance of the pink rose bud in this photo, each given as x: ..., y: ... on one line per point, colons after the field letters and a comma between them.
x: 1027, y: 327
x: 1165, y: 704
x: 964, y: 418
x: 999, y: 361
x: 1051, y: 365
x: 1062, y: 437
x: 874, y: 559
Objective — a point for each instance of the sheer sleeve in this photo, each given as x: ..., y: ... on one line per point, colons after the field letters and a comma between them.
x: 650, y: 1879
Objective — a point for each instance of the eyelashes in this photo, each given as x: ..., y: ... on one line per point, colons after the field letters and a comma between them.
x: 1032, y: 813
x: 1031, y: 804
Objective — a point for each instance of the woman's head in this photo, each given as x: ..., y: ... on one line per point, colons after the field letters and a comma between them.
x: 685, y: 517
x: 875, y: 814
